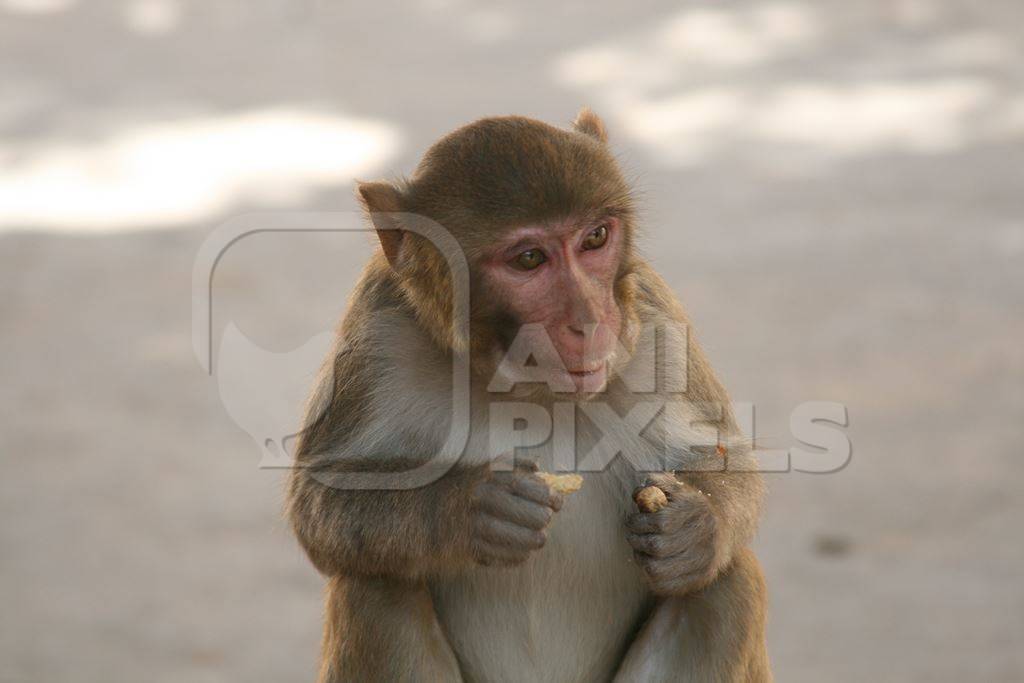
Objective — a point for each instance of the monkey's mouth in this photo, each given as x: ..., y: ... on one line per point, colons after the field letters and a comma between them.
x: 591, y: 379
x: 589, y: 366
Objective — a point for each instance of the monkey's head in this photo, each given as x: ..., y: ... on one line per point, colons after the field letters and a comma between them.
x: 545, y: 219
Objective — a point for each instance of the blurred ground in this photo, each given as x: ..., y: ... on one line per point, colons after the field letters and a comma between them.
x: 836, y: 191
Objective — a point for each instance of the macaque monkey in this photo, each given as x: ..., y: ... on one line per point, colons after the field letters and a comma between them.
x: 487, y: 573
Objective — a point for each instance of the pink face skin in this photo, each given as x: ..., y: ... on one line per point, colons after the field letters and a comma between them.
x: 570, y: 292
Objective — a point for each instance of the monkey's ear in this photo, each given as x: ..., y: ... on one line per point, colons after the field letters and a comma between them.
x: 589, y: 123
x: 382, y: 201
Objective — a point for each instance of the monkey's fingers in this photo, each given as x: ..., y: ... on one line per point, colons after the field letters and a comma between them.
x: 648, y: 523
x: 675, y: 572
x: 652, y: 545
x: 527, y: 465
x: 531, y: 487
x: 504, y: 533
x: 666, y: 481
x: 500, y: 502
x: 668, y: 576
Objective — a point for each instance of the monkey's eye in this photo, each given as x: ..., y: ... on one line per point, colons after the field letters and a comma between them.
x: 530, y: 259
x: 597, y: 237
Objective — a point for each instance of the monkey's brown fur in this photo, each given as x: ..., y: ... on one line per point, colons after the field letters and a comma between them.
x: 407, y: 597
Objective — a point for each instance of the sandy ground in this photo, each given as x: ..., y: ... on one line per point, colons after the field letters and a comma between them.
x: 836, y: 191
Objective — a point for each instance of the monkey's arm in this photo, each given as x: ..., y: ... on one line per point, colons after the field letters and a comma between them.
x: 715, y: 496
x: 467, y: 517
x: 725, y: 477
x: 404, y: 533
x: 735, y: 498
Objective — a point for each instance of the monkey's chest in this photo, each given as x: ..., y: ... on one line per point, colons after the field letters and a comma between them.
x: 564, y: 615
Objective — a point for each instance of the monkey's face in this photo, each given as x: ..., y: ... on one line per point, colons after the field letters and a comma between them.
x: 549, y: 296
x: 555, y: 286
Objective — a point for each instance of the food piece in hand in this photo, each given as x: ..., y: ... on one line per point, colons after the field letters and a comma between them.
x: 650, y: 499
x: 562, y: 483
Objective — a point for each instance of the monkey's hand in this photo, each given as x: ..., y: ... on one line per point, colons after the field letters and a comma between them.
x: 679, y: 547
x: 510, y: 513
